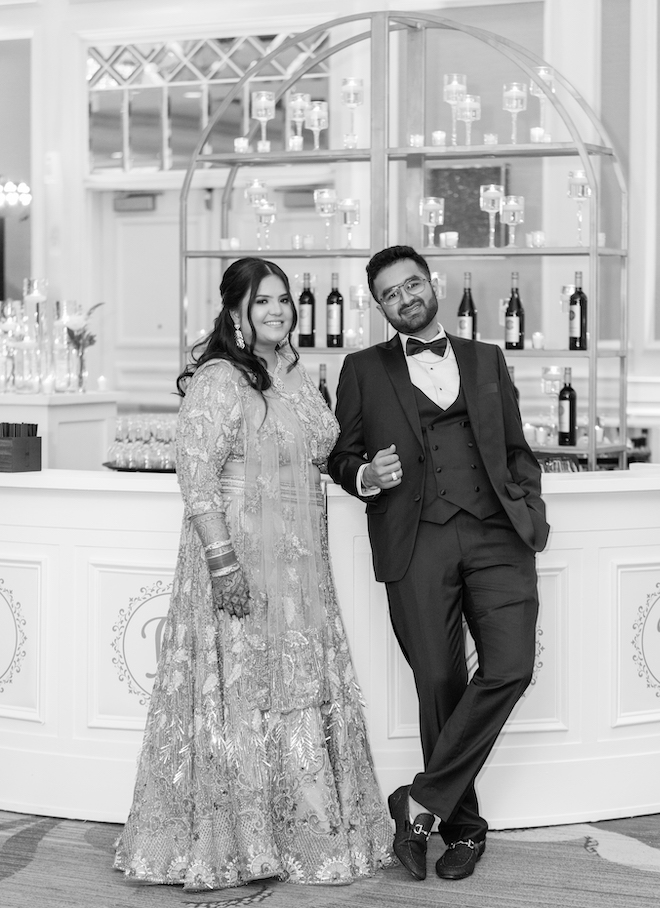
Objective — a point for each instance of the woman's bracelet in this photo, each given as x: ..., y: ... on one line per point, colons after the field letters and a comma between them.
x: 223, y: 560
x: 226, y: 571
x: 218, y: 547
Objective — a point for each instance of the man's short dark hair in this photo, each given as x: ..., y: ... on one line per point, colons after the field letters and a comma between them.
x: 389, y: 256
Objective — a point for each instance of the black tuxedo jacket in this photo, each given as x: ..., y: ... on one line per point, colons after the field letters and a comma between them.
x: 376, y: 407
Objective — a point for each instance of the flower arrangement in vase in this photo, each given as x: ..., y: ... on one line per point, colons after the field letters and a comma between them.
x: 80, y: 338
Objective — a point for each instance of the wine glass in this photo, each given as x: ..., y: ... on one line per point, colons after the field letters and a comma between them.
x: 263, y: 110
x: 265, y: 212
x: 350, y: 209
x: 316, y: 119
x: 514, y: 100
x: 580, y: 191
x: 454, y: 90
x: 298, y: 104
x: 545, y: 74
x: 490, y: 201
x: 512, y: 213
x: 325, y: 202
x: 432, y: 215
x: 256, y: 192
x: 360, y: 299
x: 467, y: 110
x: 352, y: 95
x: 551, y: 382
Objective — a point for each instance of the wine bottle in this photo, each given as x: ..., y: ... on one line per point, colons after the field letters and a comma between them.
x: 334, y: 315
x: 323, y: 385
x: 513, y: 382
x: 577, y: 317
x: 514, y: 319
x: 567, y: 412
x: 306, y: 314
x: 467, y: 314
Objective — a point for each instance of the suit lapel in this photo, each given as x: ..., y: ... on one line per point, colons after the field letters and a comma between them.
x: 394, y: 362
x: 466, y: 357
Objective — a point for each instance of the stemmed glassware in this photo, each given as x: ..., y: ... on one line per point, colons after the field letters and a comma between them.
x: 256, y: 192
x: 580, y: 191
x: 298, y: 104
x: 514, y: 99
x: 360, y: 299
x: 352, y: 95
x: 325, y: 202
x: 316, y: 119
x: 454, y: 90
x: 468, y: 109
x: 551, y: 382
x: 263, y: 110
x: 265, y: 212
x: 490, y: 201
x: 350, y: 209
x: 512, y: 213
x: 432, y: 215
x: 546, y: 74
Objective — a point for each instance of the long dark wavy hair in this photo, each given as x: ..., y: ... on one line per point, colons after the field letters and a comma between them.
x: 241, y: 279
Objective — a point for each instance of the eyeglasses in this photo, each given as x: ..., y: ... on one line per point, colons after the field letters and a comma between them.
x: 412, y: 286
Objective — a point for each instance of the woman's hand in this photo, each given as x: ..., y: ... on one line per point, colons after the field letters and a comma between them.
x: 231, y: 593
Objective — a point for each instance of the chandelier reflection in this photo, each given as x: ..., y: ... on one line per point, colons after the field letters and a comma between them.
x: 16, y: 195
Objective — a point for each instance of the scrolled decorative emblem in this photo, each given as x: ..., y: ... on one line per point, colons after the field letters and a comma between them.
x: 647, y: 641
x: 12, y: 637
x: 138, y: 638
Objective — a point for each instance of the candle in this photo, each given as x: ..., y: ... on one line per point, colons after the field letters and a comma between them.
x: 415, y: 140
x: 308, y: 241
x: 451, y: 239
x: 438, y: 137
x: 536, y: 134
x: 47, y: 384
x: 102, y: 383
x: 295, y: 143
x: 241, y: 145
x: 490, y: 138
x: 538, y: 340
x: 263, y: 146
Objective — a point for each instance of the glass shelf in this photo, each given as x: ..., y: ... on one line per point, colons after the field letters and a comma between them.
x: 478, y: 152
x: 510, y: 251
x: 278, y: 253
x: 286, y: 157
x: 559, y: 352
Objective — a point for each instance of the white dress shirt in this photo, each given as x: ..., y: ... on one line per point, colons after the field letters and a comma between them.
x: 436, y: 376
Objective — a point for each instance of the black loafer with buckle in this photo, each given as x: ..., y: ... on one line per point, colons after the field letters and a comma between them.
x: 460, y: 859
x: 410, y: 839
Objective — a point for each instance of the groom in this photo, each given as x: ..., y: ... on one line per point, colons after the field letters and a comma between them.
x: 431, y: 440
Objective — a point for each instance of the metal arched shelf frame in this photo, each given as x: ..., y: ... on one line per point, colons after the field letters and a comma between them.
x: 379, y: 26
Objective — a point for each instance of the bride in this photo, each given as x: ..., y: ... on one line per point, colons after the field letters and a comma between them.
x: 255, y: 761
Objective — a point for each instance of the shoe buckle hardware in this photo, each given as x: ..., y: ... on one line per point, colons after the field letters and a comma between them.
x: 469, y: 842
x: 418, y: 829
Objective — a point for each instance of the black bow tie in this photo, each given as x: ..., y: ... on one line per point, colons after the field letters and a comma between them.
x: 437, y: 346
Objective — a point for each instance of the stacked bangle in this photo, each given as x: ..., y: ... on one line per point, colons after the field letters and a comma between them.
x: 225, y: 571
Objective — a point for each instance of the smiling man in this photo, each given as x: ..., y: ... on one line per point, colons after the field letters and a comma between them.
x: 431, y: 440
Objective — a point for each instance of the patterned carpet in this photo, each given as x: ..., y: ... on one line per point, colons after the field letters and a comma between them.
x: 613, y: 864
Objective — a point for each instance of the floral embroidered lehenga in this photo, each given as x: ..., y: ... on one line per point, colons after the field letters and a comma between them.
x: 255, y: 761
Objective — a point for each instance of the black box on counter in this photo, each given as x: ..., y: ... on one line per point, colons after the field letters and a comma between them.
x: 20, y: 455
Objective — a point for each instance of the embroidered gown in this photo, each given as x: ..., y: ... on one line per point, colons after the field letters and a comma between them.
x: 255, y: 761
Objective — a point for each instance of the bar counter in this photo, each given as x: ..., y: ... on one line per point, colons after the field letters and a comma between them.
x: 86, y: 566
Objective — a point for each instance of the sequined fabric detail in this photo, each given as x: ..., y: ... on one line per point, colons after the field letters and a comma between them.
x: 255, y: 761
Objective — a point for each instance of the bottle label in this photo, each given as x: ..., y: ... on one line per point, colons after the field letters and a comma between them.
x: 565, y: 416
x: 305, y: 319
x: 574, y: 320
x: 512, y: 329
x: 465, y: 326
x: 334, y: 320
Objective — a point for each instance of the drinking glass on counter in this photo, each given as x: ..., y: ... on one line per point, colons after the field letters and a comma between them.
x: 360, y: 299
x: 143, y: 443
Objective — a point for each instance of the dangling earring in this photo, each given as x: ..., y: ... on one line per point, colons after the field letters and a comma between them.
x: 239, y: 340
